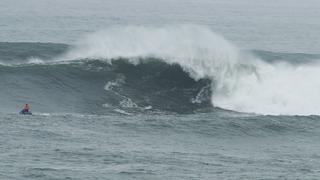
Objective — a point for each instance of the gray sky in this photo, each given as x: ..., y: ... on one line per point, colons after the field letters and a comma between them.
x: 284, y: 25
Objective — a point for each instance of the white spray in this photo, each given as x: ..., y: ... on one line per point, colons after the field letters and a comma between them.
x: 240, y: 82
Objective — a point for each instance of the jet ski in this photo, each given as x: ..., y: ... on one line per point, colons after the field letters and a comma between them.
x: 25, y: 112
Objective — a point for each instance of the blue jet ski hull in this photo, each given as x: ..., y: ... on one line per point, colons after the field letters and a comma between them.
x: 25, y: 113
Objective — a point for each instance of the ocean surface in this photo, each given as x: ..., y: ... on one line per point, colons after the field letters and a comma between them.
x: 137, y: 89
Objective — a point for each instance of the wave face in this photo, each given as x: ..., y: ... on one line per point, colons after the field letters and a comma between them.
x: 98, y: 87
x: 175, y: 68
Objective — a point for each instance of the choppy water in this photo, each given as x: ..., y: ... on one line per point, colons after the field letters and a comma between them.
x: 200, y: 146
x: 154, y: 90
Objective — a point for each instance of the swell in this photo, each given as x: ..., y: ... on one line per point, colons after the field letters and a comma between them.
x: 291, y: 58
x: 224, y: 124
x: 22, y: 52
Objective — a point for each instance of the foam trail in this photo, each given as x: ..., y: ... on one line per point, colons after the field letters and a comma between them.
x: 240, y: 82
x: 35, y: 60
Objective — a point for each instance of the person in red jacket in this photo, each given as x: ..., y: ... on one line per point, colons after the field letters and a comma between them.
x: 26, y: 108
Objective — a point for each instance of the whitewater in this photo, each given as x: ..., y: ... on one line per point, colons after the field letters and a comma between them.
x: 241, y: 81
x: 159, y: 89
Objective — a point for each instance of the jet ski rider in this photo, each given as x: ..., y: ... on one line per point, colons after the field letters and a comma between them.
x: 26, y: 108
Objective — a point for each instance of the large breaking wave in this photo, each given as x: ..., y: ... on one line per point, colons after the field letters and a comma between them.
x: 173, y: 68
